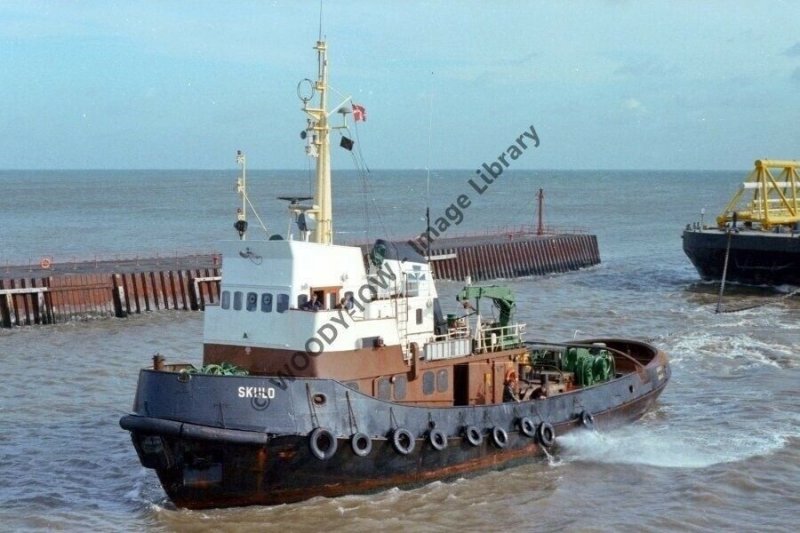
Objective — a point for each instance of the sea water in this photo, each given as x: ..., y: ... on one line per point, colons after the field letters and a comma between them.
x: 718, y: 452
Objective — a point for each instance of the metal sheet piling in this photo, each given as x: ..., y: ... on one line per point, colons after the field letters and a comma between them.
x: 95, y: 289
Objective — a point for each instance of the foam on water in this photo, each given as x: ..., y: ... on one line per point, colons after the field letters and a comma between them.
x: 666, y: 447
x: 743, y: 348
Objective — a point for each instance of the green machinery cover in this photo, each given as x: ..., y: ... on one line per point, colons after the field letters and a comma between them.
x: 590, y: 366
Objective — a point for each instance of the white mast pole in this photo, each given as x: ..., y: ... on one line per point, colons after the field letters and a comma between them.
x: 324, y: 229
x: 242, y: 189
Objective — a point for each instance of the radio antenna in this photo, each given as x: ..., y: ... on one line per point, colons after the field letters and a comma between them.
x: 428, y: 180
x: 320, y: 20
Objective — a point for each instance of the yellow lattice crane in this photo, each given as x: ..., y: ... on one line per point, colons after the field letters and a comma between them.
x: 774, y: 201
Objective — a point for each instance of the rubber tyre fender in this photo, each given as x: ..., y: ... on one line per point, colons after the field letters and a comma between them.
x: 319, y: 436
x: 403, y: 441
x: 473, y: 435
x: 587, y: 420
x: 437, y: 439
x: 546, y: 434
x: 361, y: 444
x: 499, y: 437
x: 527, y: 427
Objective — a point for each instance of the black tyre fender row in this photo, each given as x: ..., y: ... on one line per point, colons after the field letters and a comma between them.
x: 324, y: 445
x: 545, y: 433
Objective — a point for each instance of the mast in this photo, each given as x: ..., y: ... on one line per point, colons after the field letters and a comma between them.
x: 241, y: 187
x: 320, y: 140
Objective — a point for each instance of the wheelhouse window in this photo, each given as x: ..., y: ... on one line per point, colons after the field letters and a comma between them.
x: 226, y: 299
x: 237, y: 300
x: 412, y: 284
x: 252, y: 301
x: 283, y: 303
x: 266, y: 303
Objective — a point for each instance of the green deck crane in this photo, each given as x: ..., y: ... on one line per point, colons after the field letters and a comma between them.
x: 502, y: 297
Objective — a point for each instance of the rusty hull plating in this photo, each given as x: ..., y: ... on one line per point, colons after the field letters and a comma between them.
x: 209, y: 455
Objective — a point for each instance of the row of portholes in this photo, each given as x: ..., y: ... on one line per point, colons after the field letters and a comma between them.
x: 324, y: 445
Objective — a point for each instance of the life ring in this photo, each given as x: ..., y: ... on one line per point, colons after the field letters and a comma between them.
x: 527, y: 427
x: 473, y: 435
x: 322, y: 443
x: 403, y: 441
x: 438, y: 439
x: 499, y: 437
x: 546, y: 434
x: 361, y: 444
x: 45, y: 263
x: 587, y: 420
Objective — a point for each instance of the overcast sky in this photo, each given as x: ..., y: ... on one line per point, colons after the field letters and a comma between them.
x: 607, y: 84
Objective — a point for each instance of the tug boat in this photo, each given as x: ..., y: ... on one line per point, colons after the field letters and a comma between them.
x: 325, y: 373
x: 756, y: 240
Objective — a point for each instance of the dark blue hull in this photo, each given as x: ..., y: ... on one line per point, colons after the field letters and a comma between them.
x: 755, y: 258
x: 213, y: 447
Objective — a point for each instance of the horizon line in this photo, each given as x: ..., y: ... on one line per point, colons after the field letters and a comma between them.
x: 387, y: 169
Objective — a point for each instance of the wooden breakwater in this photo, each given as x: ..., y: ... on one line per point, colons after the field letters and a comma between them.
x: 53, y: 292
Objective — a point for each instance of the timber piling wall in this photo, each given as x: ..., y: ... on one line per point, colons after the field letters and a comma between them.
x: 52, y: 293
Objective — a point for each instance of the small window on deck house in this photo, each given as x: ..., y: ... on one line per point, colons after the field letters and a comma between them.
x: 252, y: 301
x: 283, y: 303
x: 301, y: 300
x: 266, y: 303
x: 226, y: 299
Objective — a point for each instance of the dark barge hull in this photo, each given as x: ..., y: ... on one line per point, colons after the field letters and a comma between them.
x: 756, y: 257
x: 208, y: 452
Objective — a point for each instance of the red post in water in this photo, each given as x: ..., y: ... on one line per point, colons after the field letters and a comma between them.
x: 540, y: 196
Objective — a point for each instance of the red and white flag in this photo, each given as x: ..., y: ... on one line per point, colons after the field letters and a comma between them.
x: 359, y: 113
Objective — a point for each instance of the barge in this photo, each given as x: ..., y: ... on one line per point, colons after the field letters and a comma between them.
x: 756, y: 240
